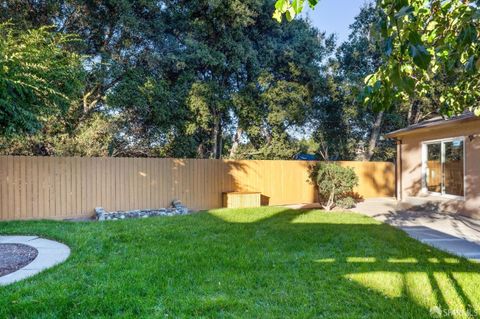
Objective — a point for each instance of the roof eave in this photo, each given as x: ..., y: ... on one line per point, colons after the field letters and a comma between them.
x: 429, y: 126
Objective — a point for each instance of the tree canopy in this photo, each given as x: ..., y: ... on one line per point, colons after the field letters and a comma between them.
x: 205, y: 79
x: 182, y: 79
x: 424, y: 42
x: 38, y: 77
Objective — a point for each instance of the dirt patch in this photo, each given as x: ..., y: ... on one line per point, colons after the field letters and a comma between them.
x: 15, y: 256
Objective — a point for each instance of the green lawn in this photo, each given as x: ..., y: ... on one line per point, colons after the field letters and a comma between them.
x: 250, y: 263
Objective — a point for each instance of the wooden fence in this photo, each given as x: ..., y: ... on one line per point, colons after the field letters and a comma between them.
x: 60, y: 187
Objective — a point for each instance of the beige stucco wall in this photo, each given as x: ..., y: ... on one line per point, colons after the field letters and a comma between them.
x: 410, y: 169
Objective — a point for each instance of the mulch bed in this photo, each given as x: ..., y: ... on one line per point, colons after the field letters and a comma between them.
x: 15, y: 256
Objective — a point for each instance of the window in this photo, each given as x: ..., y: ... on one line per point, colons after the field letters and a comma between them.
x: 443, y: 167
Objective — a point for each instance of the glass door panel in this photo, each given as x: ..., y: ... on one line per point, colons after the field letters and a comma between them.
x: 433, y: 173
x: 453, y: 168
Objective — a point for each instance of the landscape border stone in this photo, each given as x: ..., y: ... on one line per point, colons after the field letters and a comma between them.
x: 50, y: 253
x: 176, y: 209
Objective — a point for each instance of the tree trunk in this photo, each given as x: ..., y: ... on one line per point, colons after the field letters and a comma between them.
x: 323, y: 150
x: 219, y: 142
x: 372, y: 143
x: 217, y: 139
x: 236, y: 142
x: 414, y: 113
x: 330, y: 202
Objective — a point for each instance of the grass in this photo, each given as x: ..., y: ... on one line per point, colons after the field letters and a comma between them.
x: 249, y: 263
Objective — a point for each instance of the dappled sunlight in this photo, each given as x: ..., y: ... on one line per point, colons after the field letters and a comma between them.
x: 449, y: 293
x: 469, y: 284
x: 245, y: 215
x: 451, y: 260
x: 389, y: 284
x: 403, y: 260
x: 320, y: 217
x: 438, y: 291
x: 409, y: 260
x: 325, y: 260
x: 446, y: 286
x: 361, y: 259
x: 419, y: 289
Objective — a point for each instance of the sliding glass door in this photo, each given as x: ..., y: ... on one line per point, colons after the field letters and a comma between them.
x: 453, y: 168
x: 443, y: 167
x: 433, y: 177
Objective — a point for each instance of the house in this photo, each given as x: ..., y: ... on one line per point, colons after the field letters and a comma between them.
x: 438, y: 163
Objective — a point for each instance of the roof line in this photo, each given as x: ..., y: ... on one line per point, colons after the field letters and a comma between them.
x: 430, y: 124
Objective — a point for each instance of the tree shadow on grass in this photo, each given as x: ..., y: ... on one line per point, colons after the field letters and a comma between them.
x: 375, y: 262
x: 263, y: 262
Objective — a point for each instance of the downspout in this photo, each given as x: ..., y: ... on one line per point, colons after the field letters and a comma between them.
x: 398, y: 171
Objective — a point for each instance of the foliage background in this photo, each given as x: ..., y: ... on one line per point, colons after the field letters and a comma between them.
x: 207, y: 79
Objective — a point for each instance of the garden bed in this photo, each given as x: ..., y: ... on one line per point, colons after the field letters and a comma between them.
x: 15, y: 256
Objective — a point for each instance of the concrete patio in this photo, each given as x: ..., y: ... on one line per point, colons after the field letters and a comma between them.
x: 451, y: 232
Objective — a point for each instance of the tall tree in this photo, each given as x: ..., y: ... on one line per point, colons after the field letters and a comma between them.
x: 179, y: 78
x: 426, y: 41
x: 356, y: 58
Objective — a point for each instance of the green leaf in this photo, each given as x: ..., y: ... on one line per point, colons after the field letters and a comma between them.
x: 290, y: 14
x: 401, y: 80
x: 398, y: 4
x: 432, y: 25
x: 282, y: 5
x: 277, y: 15
x: 476, y: 111
x: 297, y: 6
x: 312, y: 3
x: 408, y: 84
x: 420, y: 55
x: 467, y: 35
x: 406, y: 10
x: 415, y: 38
x: 370, y: 79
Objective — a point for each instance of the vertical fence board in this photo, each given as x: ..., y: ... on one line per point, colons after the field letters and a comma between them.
x: 4, y: 210
x: 55, y: 187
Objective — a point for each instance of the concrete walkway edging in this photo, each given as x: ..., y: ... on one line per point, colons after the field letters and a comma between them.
x: 50, y: 253
x: 450, y: 232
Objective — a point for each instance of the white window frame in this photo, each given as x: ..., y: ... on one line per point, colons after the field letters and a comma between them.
x: 442, y: 154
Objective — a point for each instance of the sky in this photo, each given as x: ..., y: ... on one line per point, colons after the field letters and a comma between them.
x: 335, y: 16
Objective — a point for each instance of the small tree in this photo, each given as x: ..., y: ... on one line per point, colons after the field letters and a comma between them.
x: 335, y: 184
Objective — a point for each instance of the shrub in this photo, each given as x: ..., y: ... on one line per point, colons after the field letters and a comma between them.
x: 346, y: 202
x: 335, y: 185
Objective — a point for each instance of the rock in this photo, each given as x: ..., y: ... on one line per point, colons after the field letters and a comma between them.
x: 183, y: 210
x: 176, y: 209
x: 100, y: 213
x: 176, y: 203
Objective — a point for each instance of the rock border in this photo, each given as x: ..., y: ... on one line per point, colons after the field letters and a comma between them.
x: 50, y: 253
x: 176, y: 209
